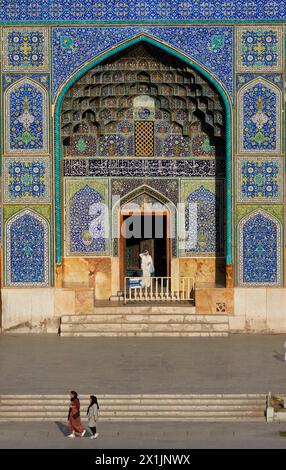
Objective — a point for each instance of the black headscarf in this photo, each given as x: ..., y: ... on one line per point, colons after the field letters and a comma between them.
x: 75, y: 395
x: 93, y: 402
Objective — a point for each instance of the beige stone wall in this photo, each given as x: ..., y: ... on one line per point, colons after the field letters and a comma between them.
x: 28, y: 310
x: 259, y: 310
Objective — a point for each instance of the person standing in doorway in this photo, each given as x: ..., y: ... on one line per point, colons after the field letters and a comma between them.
x: 147, y: 267
x: 74, y: 416
x: 92, y: 415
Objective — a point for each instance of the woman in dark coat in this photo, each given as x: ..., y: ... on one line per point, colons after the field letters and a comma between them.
x: 74, y: 416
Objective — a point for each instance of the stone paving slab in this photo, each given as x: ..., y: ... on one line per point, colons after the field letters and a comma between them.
x: 145, y: 436
x: 49, y: 364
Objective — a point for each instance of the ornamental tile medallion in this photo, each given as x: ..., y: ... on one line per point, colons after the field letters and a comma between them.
x: 259, y: 108
x: 260, y: 249
x: 26, y: 49
x: 259, y: 180
x: 86, y: 220
x: 27, y: 250
x: 27, y: 179
x: 259, y: 49
x: 203, y: 226
x: 27, y: 126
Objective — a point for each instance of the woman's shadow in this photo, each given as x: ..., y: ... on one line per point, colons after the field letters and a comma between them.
x: 64, y: 428
x: 279, y: 356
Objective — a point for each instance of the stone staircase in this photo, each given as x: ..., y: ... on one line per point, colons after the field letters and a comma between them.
x: 162, y: 407
x: 142, y: 321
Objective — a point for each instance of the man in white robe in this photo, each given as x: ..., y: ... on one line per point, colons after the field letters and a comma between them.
x: 147, y: 267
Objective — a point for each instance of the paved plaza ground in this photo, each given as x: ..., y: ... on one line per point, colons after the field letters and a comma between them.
x: 49, y: 364
x: 146, y: 436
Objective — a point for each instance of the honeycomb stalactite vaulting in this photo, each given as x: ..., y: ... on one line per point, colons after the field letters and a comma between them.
x: 108, y: 110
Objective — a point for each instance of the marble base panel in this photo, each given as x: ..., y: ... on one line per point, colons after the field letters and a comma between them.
x: 70, y: 301
x: 213, y: 300
x: 207, y: 270
x: 103, y: 278
x: 75, y: 272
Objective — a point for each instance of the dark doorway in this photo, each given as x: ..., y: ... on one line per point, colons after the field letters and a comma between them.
x: 140, y: 232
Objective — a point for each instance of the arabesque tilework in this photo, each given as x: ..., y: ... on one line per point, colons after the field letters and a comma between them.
x: 86, y: 205
x: 210, y: 46
x: 204, y: 217
x: 259, y: 235
x: 259, y: 115
x: 259, y: 49
x: 26, y: 118
x: 188, y: 166
x: 27, y: 250
x: 27, y: 179
x: 42, y: 78
x: 26, y: 49
x: 243, y: 78
x: 141, y: 11
x: 259, y: 180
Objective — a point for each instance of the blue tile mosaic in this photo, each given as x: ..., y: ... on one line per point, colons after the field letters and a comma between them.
x: 25, y: 49
x: 259, y: 250
x: 27, y: 250
x: 140, y: 10
x: 203, y: 218
x: 260, y: 180
x: 243, y: 78
x: 259, y: 48
x: 27, y: 180
x: 87, y: 223
x: 27, y: 124
x: 42, y: 78
x: 259, y: 130
x: 211, y: 46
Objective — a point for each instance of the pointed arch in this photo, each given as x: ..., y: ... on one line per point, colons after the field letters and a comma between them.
x: 259, y: 238
x: 26, y: 131
x: 191, y: 62
x: 27, y: 249
x: 143, y: 190
x: 259, y: 115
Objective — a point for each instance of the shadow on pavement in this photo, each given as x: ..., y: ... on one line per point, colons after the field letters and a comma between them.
x: 279, y: 356
x: 63, y: 428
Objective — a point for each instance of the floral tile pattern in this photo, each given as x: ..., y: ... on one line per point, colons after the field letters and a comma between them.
x: 27, y: 179
x: 26, y: 49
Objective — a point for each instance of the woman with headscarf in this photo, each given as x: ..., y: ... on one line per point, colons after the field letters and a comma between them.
x: 92, y: 414
x: 74, y: 416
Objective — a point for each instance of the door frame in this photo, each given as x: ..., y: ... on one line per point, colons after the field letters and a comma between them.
x: 122, y: 242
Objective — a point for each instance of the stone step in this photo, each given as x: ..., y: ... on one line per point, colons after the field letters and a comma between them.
x: 138, y: 308
x: 143, y: 327
x: 133, y: 413
x: 138, y: 407
x: 144, y: 318
x: 127, y: 407
x: 155, y: 396
x: 233, y: 419
x: 136, y: 402
x: 145, y: 334
x: 141, y: 317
